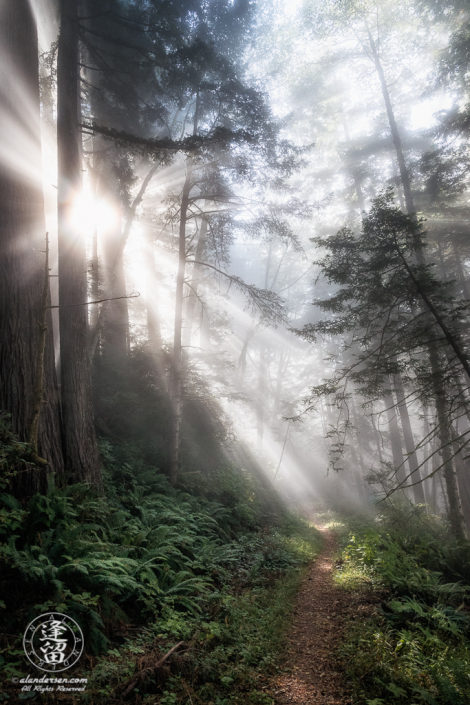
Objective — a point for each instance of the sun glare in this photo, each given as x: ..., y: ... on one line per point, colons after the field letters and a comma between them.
x: 90, y: 214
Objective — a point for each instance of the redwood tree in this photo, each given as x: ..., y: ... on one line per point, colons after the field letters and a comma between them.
x: 22, y: 243
x: 80, y: 447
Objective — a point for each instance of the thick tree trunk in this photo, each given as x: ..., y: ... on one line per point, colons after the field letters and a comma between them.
x: 80, y: 447
x: 115, y: 330
x: 22, y: 242
x: 177, y: 367
x: 413, y: 463
x: 113, y: 270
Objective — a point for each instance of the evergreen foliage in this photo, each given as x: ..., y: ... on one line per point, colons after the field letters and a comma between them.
x: 150, y: 557
x: 415, y: 647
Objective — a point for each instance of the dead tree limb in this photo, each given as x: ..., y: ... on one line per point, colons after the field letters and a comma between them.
x: 159, y: 664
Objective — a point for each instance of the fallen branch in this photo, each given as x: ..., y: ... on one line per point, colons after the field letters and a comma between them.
x: 159, y: 664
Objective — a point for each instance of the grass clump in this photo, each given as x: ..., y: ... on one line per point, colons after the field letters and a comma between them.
x: 415, y: 648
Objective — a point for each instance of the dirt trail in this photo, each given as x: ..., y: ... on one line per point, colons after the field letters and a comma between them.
x: 312, y: 676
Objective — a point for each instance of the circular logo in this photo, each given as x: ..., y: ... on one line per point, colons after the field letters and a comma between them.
x: 53, y: 642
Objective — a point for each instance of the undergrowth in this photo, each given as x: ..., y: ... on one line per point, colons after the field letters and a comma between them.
x: 415, y: 649
x: 145, y: 567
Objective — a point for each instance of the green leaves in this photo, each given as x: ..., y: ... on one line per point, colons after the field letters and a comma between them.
x: 416, y: 646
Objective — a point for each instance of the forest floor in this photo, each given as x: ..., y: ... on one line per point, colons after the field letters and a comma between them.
x: 313, y: 673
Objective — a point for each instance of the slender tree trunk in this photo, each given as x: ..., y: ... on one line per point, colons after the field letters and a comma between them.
x: 243, y: 354
x: 378, y: 440
x: 456, y: 519
x: 177, y: 368
x: 463, y: 475
x: 194, y: 285
x: 460, y: 272
x: 418, y: 491
x: 262, y: 393
x: 395, y: 440
x: 358, y: 476
x: 80, y: 447
x: 204, y: 328
x: 22, y: 238
x: 284, y: 358
x: 396, y: 139
x: 153, y: 318
x: 352, y: 171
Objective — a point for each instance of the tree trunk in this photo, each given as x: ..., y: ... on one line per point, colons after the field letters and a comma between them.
x: 114, y: 333
x: 195, y: 282
x: 460, y: 272
x: 463, y: 476
x: 22, y: 239
x: 113, y: 270
x: 413, y: 463
x: 395, y: 440
x: 80, y: 447
x: 243, y: 354
x: 153, y: 318
x: 457, y: 523
x: 262, y: 392
x: 177, y: 367
x: 396, y: 139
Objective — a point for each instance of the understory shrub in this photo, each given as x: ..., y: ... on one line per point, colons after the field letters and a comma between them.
x: 416, y: 647
x: 146, y: 566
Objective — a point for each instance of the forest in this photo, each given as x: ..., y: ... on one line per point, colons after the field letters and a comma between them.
x: 235, y: 352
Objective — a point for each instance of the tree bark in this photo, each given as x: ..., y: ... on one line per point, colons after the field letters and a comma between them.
x: 113, y: 274
x: 177, y: 367
x: 114, y: 333
x: 395, y: 440
x: 22, y: 237
x: 418, y: 491
x: 80, y: 447
x: 195, y: 282
x: 456, y: 519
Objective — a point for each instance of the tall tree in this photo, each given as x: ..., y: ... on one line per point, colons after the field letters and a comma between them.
x: 80, y: 446
x: 22, y: 244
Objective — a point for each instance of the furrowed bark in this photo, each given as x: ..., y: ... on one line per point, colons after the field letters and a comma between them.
x: 22, y: 228
x: 80, y: 447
